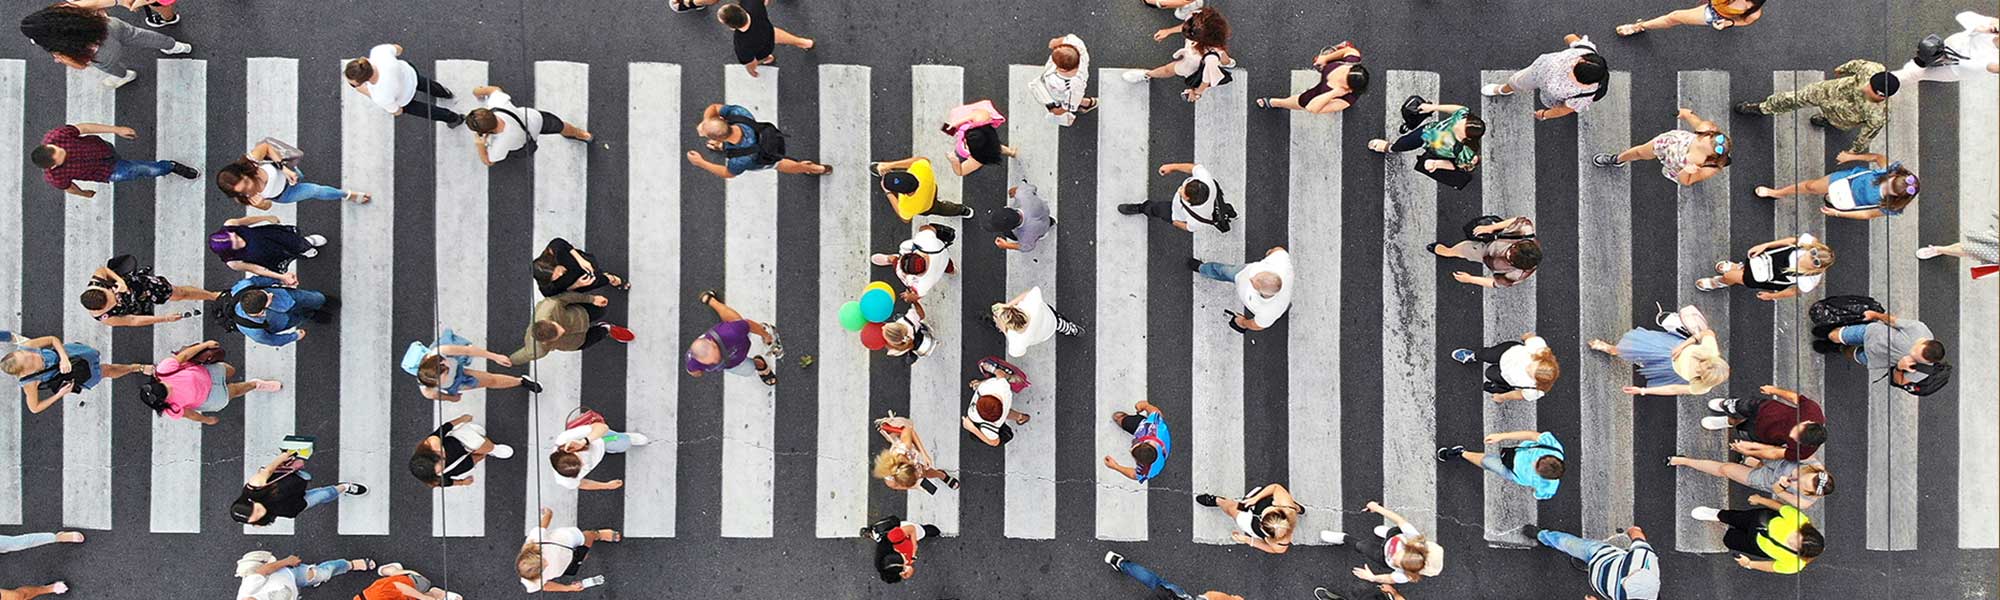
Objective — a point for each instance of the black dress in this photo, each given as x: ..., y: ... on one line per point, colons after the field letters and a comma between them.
x: 143, y: 289
x: 285, y: 497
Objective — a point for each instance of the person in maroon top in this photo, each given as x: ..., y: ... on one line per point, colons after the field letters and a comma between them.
x: 70, y: 154
x: 1784, y: 426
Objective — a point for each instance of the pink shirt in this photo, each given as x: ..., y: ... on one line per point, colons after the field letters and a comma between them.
x: 187, y: 385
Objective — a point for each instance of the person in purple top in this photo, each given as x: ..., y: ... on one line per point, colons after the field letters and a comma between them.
x: 260, y: 246
x: 729, y: 345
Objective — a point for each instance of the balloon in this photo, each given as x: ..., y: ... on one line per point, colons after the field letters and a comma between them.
x: 877, y: 305
x: 878, y: 285
x: 871, y: 337
x: 850, y: 316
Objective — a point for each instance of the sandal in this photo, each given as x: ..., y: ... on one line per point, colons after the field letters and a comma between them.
x: 1379, y: 146
x: 266, y: 385
x: 764, y: 371
x: 1089, y: 104
x: 1723, y: 266
x: 707, y: 296
x: 1262, y: 103
x: 359, y: 197
x: 1708, y: 284
x: 1632, y: 29
x: 610, y: 535
x: 1438, y: 248
x: 1021, y: 420
x: 368, y: 564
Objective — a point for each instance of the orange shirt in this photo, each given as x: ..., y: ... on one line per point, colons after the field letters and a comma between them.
x: 385, y: 588
x: 1722, y: 7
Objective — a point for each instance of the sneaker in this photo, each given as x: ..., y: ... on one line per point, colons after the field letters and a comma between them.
x: 1708, y: 284
x: 638, y: 439
x: 1720, y: 405
x: 179, y: 48
x: 1703, y: 513
x: 867, y: 533
x: 444, y: 93
x: 1333, y: 537
x: 453, y: 596
x: 60, y: 587
x: 385, y: 569
x: 1749, y: 109
x: 1208, y: 500
x: 1381, y: 531
x: 1133, y: 76
x: 316, y: 240
x: 1715, y: 423
x: 454, y: 122
x: 186, y: 172
x: 621, y: 334
x: 1531, y: 532
x: 1928, y: 252
x: 1131, y: 209
x: 1819, y: 121
x: 266, y: 385
x: 1448, y: 453
x: 153, y: 19
x: 1194, y: 264
x: 502, y: 452
x: 118, y: 82
x: 354, y: 489
x: 310, y: 253
x: 1113, y: 559
x: 1320, y: 593
x: 1494, y: 89
x: 531, y: 384
x: 1606, y: 159
x: 1463, y: 356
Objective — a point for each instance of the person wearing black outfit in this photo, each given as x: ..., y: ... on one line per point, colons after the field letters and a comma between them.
x: 565, y: 268
x: 260, y: 246
x: 279, y: 490
x: 446, y: 457
x: 896, y: 546
x: 756, y: 38
x: 123, y: 294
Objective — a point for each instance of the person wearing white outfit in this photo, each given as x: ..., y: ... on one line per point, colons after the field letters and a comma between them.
x: 1977, y: 49
x: 551, y: 553
x: 1265, y: 287
x: 990, y: 415
x: 392, y: 84
x: 579, y: 450
x: 447, y: 456
x: 1028, y: 320
x: 1064, y: 79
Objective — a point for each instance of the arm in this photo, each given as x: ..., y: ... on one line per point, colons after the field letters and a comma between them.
x: 593, y: 485
x: 1872, y: 158
x: 1790, y: 398
x: 1391, y: 515
x: 1868, y: 132
x: 140, y: 320
x: 1005, y: 244
x: 410, y: 593
x: 479, y: 147
x: 967, y: 423
x: 32, y: 393
x: 1478, y: 280
x: 695, y: 158
x: 1696, y: 123
x: 263, y: 476
x: 1850, y: 67
x: 97, y: 129
x: 1147, y: 407
x: 1523, y: 436
x: 274, y: 566
x: 251, y: 220
x: 483, y: 91
x: 1171, y: 168
x: 262, y: 152
x: 187, y: 354
x: 1755, y: 565
x: 1858, y: 215
x: 1758, y: 450
x: 1508, y: 397
x: 1128, y: 472
x: 1560, y: 111
x: 77, y: 191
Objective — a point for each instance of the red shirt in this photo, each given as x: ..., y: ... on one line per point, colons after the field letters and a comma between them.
x: 904, y: 545
x: 89, y: 158
x: 1775, y: 421
x: 385, y: 588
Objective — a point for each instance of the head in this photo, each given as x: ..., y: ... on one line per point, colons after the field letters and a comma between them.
x: 703, y: 351
x: 891, y: 568
x: 48, y: 156
x: 914, y: 263
x: 1358, y: 77
x: 1525, y: 254
x: 1590, y: 69
x: 239, y: 180
x: 249, y: 512
x: 1267, y: 284
x: 1277, y: 522
x: 95, y: 300
x: 358, y: 71
x: 1008, y: 318
x: 1143, y: 456
x: 1003, y: 220
x: 545, y: 267
x: 734, y: 17
x: 1415, y: 554
x: 1545, y: 369
x: 1066, y: 58
x: 897, y: 471
x: 528, y: 564
x: 1929, y: 351
x: 1810, y: 433
x: 223, y: 241
x: 983, y: 143
x: 1719, y: 146
x: 1883, y: 85
x: 900, y: 181
x: 153, y: 393
x: 989, y: 407
x: 482, y: 121
x: 1814, y: 480
x: 1550, y: 467
x: 20, y: 363
x: 1471, y: 130
x: 1811, y: 542
x: 1902, y: 188
x: 546, y: 331
x: 898, y: 335
x: 1814, y: 258
x: 254, y: 302
x: 1711, y: 373
x: 1195, y: 192
x: 566, y: 464
x: 68, y: 30
x: 1208, y: 29
x: 425, y: 466
x: 716, y: 129
x: 430, y: 370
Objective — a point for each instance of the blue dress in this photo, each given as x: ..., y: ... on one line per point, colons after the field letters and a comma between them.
x: 49, y: 358
x: 1652, y: 351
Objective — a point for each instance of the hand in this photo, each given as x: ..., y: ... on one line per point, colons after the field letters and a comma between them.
x: 1768, y: 297
x: 1363, y: 573
x: 1723, y: 24
x: 1464, y: 277
x: 713, y: 145
x: 301, y: 332
x: 291, y: 177
x: 176, y: 317
x: 1541, y: 115
x: 1109, y: 462
x: 1166, y: 169
x: 1493, y: 438
x: 694, y: 157
x: 1684, y: 114
x: 87, y: 194
x: 1057, y: 111
x: 600, y: 301
x: 503, y: 361
x: 1743, y: 561
x: 291, y: 559
x: 289, y: 279
x: 1828, y: 211
x: 1239, y: 537
x: 1769, y: 390
x: 1372, y: 507
x: 1163, y: 34
x: 1386, y: 589
x: 1634, y: 390
x: 1757, y: 250
x: 468, y: 480
x: 63, y: 366
x: 130, y: 134
x: 547, y: 512
x: 910, y: 295
x: 1739, y: 447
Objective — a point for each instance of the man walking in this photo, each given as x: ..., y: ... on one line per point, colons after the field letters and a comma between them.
x: 1062, y: 85
x: 1197, y: 199
x: 1901, y: 350
x: 1535, y: 461
x: 911, y: 186
x: 1151, y: 442
x: 746, y: 144
x: 1025, y: 220
x: 756, y: 38
x: 1264, y: 286
x: 1566, y: 81
x: 67, y: 155
x: 1615, y: 573
x: 1857, y: 98
x: 388, y: 80
x: 1785, y: 426
x: 570, y: 322
x: 500, y: 128
x: 1159, y: 586
x: 270, y: 313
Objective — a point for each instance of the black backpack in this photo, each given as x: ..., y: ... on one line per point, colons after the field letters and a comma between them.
x: 770, y: 146
x: 1936, y: 376
x: 1224, y: 212
x: 1834, y: 312
x: 225, y: 314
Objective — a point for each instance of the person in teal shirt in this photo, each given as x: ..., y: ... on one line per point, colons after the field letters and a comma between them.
x: 1536, y: 462
x: 1150, y: 442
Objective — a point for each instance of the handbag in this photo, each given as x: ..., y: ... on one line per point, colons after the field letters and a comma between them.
x: 288, y: 154
x: 79, y: 372
x: 1686, y: 322
x: 582, y: 417
x: 527, y: 134
x: 1932, y: 52
x: 207, y: 356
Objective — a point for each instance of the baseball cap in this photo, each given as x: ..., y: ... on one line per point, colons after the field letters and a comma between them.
x: 1885, y: 84
x: 1643, y: 585
x: 899, y: 181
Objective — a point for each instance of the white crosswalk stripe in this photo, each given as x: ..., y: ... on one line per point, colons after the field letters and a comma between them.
x: 561, y: 187
x: 181, y: 215
x: 1031, y: 457
x: 368, y: 369
x: 937, y: 393
x: 749, y: 406
x: 1220, y: 134
x: 1316, y: 247
x: 1978, y: 345
x: 845, y: 204
x: 1797, y: 152
x: 86, y: 243
x: 1702, y: 235
x: 459, y: 510
x: 13, y: 148
x: 652, y: 392
x: 1892, y: 280
x: 274, y: 89
x: 1119, y: 325
x: 1508, y: 190
x: 1604, y: 275
x: 1409, y: 322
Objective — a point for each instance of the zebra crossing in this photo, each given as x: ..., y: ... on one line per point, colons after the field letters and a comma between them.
x: 1408, y: 334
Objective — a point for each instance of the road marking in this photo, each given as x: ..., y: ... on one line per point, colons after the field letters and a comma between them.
x: 561, y: 186
x: 180, y: 215
x: 844, y: 435
x: 1892, y: 414
x: 1604, y: 276
x: 1120, y: 318
x: 1031, y: 457
x: 1316, y: 238
x: 1798, y: 153
x: 652, y: 389
x: 1507, y: 190
x: 268, y: 418
x: 936, y: 390
x: 1977, y: 348
x: 1703, y: 234
x: 13, y: 104
x: 750, y: 275
x: 1220, y: 133
x: 368, y: 351
x: 86, y: 417
x: 1409, y: 322
x: 461, y: 223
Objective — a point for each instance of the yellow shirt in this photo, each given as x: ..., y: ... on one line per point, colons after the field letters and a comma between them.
x: 908, y: 206
x: 1779, y: 530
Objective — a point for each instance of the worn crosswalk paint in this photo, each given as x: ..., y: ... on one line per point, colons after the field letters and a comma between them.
x: 180, y: 215
x: 1892, y: 280
x: 561, y: 189
x: 1704, y: 234
x: 845, y: 203
x: 1121, y: 317
x: 1315, y: 395
x: 936, y: 390
x: 274, y: 86
x: 1031, y: 457
x: 13, y: 151
x: 1409, y: 323
x: 749, y: 406
x: 1221, y: 131
x: 1507, y: 188
x: 368, y: 351
x: 1978, y: 344
x: 1797, y: 153
x: 86, y: 480
x: 460, y: 511
x: 654, y: 304
x: 1604, y: 275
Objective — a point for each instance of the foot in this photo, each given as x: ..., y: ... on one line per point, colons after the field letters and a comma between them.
x: 1133, y: 76
x: 353, y: 489
x: 1320, y: 593
x: 1113, y: 559
x: 1723, y: 266
x: 1715, y: 422
x: 610, y: 535
x: 1208, y: 500
x: 1262, y: 103
x: 70, y: 537
x: 531, y: 384
x: 1118, y: 417
x: 1463, y: 356
x: 179, y: 48
x: 502, y: 452
x: 360, y: 197
x: 639, y: 439
x: 1675, y: 461
x: 1450, y: 452
x: 1333, y: 537
x: 1708, y: 284
x: 186, y: 172
x: 1379, y: 146
x: 1381, y: 531
x: 1606, y: 159
x: 1494, y: 89
x: 1603, y: 346
x: 1719, y: 405
x: 1819, y: 121
x: 387, y: 569
x: 118, y: 82
x: 60, y: 587
x: 316, y: 240
x: 621, y: 334
x: 444, y: 93
x: 1928, y: 252
x: 266, y: 385
x: 1131, y: 209
x: 310, y: 253
x: 1440, y: 249
x: 1631, y: 29
x: 1767, y: 193
x: 1749, y: 109
x: 454, y: 122
x: 153, y: 19
x: 1194, y: 264
x: 808, y: 45
x: 1530, y: 531
x: 1703, y: 513
x: 361, y: 564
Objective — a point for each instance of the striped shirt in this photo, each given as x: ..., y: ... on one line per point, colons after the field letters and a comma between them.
x: 1612, y: 571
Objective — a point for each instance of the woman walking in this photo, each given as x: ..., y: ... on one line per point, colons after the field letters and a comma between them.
x: 1342, y: 80
x: 1202, y: 62
x: 1265, y: 518
x: 896, y: 546
x: 1686, y: 157
x: 562, y: 267
x: 1779, y: 269
x: 579, y: 449
x: 1515, y: 370
x: 1797, y: 483
x: 263, y: 178
x: 193, y: 383
x: 1773, y: 537
x: 123, y: 294
x: 1673, y: 364
x: 280, y: 490
x: 444, y: 370
x: 921, y: 262
x: 1973, y: 52
x: 50, y: 370
x: 990, y: 416
x: 79, y: 34
x: 1506, y: 247
x: 17, y: 543
x: 1027, y: 320
x: 1717, y: 14
x: 259, y: 245
x: 1862, y: 192
x: 549, y: 554
x: 1982, y: 248
x: 1410, y: 556
x: 447, y: 456
x: 907, y: 461
x: 1450, y: 143
x: 907, y: 335
x: 267, y: 577
x: 737, y: 345
x: 975, y: 132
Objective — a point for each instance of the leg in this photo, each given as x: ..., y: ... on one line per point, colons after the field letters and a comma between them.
x: 1639, y: 152
x: 786, y: 38
x: 1782, y: 102
x: 1687, y: 16
x: 597, y: 333
x: 1288, y: 103
x: 313, y: 575
x: 494, y: 381
x: 1490, y: 462
x: 128, y: 170
x: 802, y: 167
x: 322, y: 495
x: 1222, y: 272
x: 144, y: 38
x: 1576, y: 547
x: 303, y: 191
x: 30, y: 592
x: 241, y: 388
x: 182, y: 292
x: 1748, y: 520
x: 948, y: 209
x: 1165, y: 71
x: 1731, y: 471
x: 1143, y: 575
x: 1410, y: 140
x: 436, y: 90
x: 17, y: 543
x: 167, y: 12
x: 1470, y: 250
x: 575, y: 133
x: 1158, y: 209
x: 435, y: 113
x: 1492, y: 354
x: 1816, y: 187
x: 1065, y: 326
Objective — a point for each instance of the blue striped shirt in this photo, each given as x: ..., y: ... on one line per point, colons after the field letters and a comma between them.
x: 1612, y: 570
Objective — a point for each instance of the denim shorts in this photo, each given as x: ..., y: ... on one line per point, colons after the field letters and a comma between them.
x: 1854, y: 335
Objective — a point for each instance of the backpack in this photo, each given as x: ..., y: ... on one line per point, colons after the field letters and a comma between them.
x: 1932, y: 52
x: 1224, y: 212
x: 527, y: 134
x: 1936, y: 376
x: 226, y: 316
x: 1834, y: 312
x: 770, y: 146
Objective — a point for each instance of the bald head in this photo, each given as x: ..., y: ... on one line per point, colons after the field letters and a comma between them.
x: 1267, y: 284
x: 715, y: 129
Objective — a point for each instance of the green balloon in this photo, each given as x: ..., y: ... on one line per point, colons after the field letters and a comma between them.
x: 850, y: 316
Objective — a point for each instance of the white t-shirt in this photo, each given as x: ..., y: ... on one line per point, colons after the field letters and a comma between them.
x: 1763, y: 268
x: 395, y: 80
x: 1265, y: 311
x: 1206, y: 210
x: 558, y: 549
x: 1041, y: 323
x: 281, y: 585
x: 512, y: 135
x: 1517, y: 364
x: 274, y: 181
x: 936, y: 255
x: 591, y: 455
x: 995, y: 387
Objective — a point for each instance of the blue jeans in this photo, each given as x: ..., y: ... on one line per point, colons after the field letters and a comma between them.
x: 1576, y: 547
x: 304, y: 304
x: 313, y: 575
x: 127, y: 170
x: 319, y: 495
x: 1222, y: 272
x: 1493, y: 465
x: 17, y: 543
x: 1857, y: 336
x: 1152, y: 580
x: 309, y: 191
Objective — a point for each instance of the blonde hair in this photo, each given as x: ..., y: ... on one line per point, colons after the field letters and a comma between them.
x: 898, y: 334
x: 1009, y: 318
x: 528, y: 564
x: 1821, y: 253
x: 1710, y: 373
x: 897, y: 469
x: 1546, y: 370
x: 12, y: 364
x: 1277, y: 522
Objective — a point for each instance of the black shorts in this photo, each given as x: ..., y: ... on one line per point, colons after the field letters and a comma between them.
x: 576, y: 560
x: 551, y: 124
x: 1132, y: 422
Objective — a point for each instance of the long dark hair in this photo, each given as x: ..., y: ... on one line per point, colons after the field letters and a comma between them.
x: 243, y: 507
x: 231, y: 174
x: 1475, y: 130
x: 1208, y: 29
x: 69, y: 30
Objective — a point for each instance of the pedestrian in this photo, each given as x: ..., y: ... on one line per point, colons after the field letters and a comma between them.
x: 1342, y: 81
x: 264, y: 176
x: 447, y: 456
x: 907, y: 462
x: 398, y: 583
x: 1025, y: 220
x: 1265, y: 287
x: 124, y: 294
x: 922, y: 261
x: 267, y: 577
x: 273, y: 314
x: 80, y: 34
x: 1797, y: 483
x: 1974, y: 52
x: 1615, y: 573
x: 562, y: 267
x: 1265, y: 518
x: 392, y: 84
x: 1782, y: 425
x: 896, y: 546
x: 911, y: 186
x: 1672, y: 363
x: 1904, y: 351
x: 1198, y: 199
x: 579, y: 449
x: 280, y: 490
x: 1717, y: 14
x: 737, y: 345
x: 193, y: 384
x: 25, y: 541
x: 1157, y: 585
x: 756, y: 39
x: 746, y: 144
x: 1780, y: 269
x: 66, y: 157
x: 1982, y: 248
x: 1152, y: 442
x: 261, y: 245
x: 1449, y: 143
x: 1515, y: 370
x: 444, y: 373
x: 1027, y: 320
x: 1202, y: 62
x: 1506, y: 247
x: 1873, y: 190
x: 1533, y: 460
x: 908, y: 336
x: 1856, y: 98
x: 1566, y: 81
x: 975, y: 132
x: 1686, y: 157
x: 1772, y: 537
x: 50, y: 370
x: 1062, y: 86
x: 1411, y: 557
x: 549, y: 554
x: 569, y: 322
x: 991, y: 411
x: 1383, y: 591
x: 499, y: 128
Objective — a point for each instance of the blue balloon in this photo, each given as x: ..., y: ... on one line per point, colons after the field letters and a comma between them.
x: 876, y: 305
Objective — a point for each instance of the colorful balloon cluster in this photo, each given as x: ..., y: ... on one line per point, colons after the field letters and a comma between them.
x: 866, y: 315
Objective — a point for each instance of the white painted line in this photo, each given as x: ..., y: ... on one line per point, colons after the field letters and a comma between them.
x: 1409, y: 321
x: 561, y: 186
x: 86, y: 417
x: 13, y: 100
x: 368, y: 353
x: 1220, y: 132
x: 1604, y: 282
x: 750, y: 274
x: 1507, y: 190
x: 937, y: 393
x: 180, y: 215
x: 274, y: 89
x: 1703, y: 234
x: 1119, y: 323
x: 652, y: 389
x: 1978, y: 346
x: 1031, y: 457
x: 843, y: 438
x: 1798, y: 153
x: 1892, y: 414
x: 1316, y: 238
x: 461, y: 222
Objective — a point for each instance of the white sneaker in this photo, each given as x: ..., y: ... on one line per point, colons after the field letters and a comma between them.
x: 1382, y: 531
x: 385, y: 569
x: 1333, y: 537
x: 1703, y: 513
x: 118, y: 82
x: 179, y: 48
x: 1494, y: 89
x: 502, y: 452
x: 1720, y: 405
x: 1133, y: 76
x: 310, y: 253
x: 638, y: 439
x: 1927, y: 253
x: 1715, y: 423
x: 316, y: 240
x: 59, y: 587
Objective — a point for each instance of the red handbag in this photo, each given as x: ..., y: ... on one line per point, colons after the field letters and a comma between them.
x: 583, y: 417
